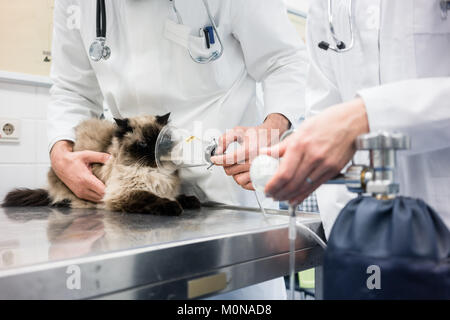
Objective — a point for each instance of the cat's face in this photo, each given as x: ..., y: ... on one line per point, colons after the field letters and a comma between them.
x: 137, y: 138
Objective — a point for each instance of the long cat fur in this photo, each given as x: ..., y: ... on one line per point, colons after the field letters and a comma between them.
x: 133, y: 181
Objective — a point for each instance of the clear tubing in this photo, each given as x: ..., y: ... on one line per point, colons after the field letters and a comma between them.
x: 292, y: 237
x: 261, y: 171
x: 260, y: 205
x: 293, y: 225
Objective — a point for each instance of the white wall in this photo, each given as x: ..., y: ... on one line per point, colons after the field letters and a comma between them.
x: 24, y: 164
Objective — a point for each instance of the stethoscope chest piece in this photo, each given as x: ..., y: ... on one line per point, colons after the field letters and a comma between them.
x: 99, y: 50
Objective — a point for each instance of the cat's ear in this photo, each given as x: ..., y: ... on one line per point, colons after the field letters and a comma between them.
x: 123, y: 127
x: 122, y: 123
x: 163, y: 120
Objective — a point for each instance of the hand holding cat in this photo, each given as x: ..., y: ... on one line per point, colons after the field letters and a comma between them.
x: 251, y: 139
x: 74, y: 169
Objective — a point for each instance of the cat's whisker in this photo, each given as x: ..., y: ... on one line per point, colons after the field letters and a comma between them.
x: 141, y: 162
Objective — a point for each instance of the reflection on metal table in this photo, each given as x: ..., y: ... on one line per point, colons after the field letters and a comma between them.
x: 48, y: 253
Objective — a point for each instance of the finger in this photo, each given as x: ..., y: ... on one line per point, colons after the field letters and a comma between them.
x: 90, y: 196
x: 249, y: 186
x: 93, y: 196
x: 238, y: 156
x: 309, y: 170
x: 94, y: 184
x: 237, y: 168
x: 290, y: 189
x: 242, y: 179
x: 95, y: 157
x: 299, y: 198
x: 299, y: 193
x: 288, y: 167
x: 316, y: 178
x: 227, y: 138
x: 321, y: 174
x: 276, y: 151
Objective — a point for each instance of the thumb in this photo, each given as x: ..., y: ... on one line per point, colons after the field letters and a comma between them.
x: 227, y: 138
x: 96, y: 157
x: 276, y: 151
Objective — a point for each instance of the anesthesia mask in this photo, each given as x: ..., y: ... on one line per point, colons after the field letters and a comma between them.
x: 177, y: 148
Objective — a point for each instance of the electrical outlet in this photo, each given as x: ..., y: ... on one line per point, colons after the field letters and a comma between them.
x: 9, y: 130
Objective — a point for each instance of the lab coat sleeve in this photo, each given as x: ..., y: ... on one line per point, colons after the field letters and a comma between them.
x: 75, y: 94
x: 274, y: 54
x: 419, y: 108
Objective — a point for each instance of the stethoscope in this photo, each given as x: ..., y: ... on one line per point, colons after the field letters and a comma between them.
x: 340, y: 46
x: 99, y: 50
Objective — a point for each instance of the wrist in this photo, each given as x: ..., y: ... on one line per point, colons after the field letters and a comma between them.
x: 59, y: 148
x: 277, y: 121
x: 362, y: 121
x: 356, y: 114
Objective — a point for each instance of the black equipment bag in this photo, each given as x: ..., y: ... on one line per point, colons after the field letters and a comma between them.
x: 387, y: 249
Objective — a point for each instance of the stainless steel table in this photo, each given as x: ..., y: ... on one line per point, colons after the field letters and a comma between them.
x: 75, y: 254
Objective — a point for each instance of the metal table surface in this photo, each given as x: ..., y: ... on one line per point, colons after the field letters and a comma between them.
x: 48, y: 253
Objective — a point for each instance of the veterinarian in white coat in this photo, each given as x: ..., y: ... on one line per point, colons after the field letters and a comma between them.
x: 395, y: 78
x: 151, y: 72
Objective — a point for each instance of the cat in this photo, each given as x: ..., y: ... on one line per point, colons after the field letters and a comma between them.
x: 132, y: 179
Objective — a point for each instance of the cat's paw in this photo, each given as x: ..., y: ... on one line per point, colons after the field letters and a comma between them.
x: 188, y: 202
x: 66, y: 203
x: 166, y: 207
x: 142, y: 201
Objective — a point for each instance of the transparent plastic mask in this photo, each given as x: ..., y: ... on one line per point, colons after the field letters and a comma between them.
x: 177, y: 148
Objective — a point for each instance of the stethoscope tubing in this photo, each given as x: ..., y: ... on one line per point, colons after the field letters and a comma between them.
x: 340, y: 45
x: 101, y: 19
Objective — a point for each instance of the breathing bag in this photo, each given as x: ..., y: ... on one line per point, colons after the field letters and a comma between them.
x: 387, y: 249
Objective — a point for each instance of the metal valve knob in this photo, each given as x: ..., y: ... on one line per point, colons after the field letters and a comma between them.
x: 376, y: 179
x: 210, y: 151
x: 383, y: 141
x: 382, y: 147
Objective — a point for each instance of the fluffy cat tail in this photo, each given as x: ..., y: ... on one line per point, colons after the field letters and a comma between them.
x: 27, y: 198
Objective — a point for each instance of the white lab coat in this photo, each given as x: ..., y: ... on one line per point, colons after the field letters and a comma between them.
x: 400, y: 66
x: 151, y: 72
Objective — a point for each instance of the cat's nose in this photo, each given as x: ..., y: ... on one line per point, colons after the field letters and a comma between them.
x: 142, y: 145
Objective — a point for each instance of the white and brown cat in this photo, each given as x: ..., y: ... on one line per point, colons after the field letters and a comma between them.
x: 133, y: 181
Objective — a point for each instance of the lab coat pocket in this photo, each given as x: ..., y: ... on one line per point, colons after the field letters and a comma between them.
x: 186, y: 47
x: 431, y: 39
